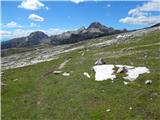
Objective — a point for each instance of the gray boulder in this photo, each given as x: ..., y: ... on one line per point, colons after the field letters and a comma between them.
x: 100, y: 62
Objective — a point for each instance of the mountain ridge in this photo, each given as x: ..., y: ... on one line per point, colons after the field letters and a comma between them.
x: 94, y: 30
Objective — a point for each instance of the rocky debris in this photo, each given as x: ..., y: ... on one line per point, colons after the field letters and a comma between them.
x: 57, y: 72
x: 100, y: 62
x: 125, y: 83
x: 66, y: 74
x: 82, y: 54
x: 130, y: 108
x: 86, y: 74
x: 63, y: 64
x: 103, y: 91
x: 15, y: 80
x: 148, y: 82
x: 123, y: 36
x: 154, y: 94
x: 108, y: 110
x: 122, y: 70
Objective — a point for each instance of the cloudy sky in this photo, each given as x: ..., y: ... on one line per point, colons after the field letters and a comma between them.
x: 20, y: 18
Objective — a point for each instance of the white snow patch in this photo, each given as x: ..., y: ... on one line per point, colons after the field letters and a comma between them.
x: 126, y: 66
x: 134, y: 73
x: 104, y: 72
x: 86, y: 74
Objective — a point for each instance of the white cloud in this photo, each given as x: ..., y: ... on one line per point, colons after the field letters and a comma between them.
x: 12, y: 24
x: 33, y: 25
x: 35, y: 17
x: 54, y: 31
x: 141, y: 20
x: 108, y: 5
x: 143, y: 14
x: 147, y: 7
x: 4, y: 33
x: 46, y: 8
x: 77, y: 1
x: 31, y: 5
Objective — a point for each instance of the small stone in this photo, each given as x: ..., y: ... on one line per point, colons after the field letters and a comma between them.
x: 122, y: 70
x: 100, y: 62
x: 108, y: 110
x: 38, y: 103
x: 125, y: 83
x: 148, y: 82
x: 57, y: 72
x: 66, y: 74
x: 15, y: 80
x: 86, y: 74
x: 130, y: 108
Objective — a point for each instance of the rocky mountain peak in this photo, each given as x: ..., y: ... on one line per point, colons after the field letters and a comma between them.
x: 97, y: 25
x: 38, y: 35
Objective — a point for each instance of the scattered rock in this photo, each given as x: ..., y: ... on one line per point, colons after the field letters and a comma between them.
x: 102, y: 90
x: 38, y: 103
x: 82, y: 54
x: 154, y: 94
x: 130, y: 108
x: 122, y: 70
x: 125, y: 83
x: 100, y: 62
x: 66, y: 74
x: 86, y: 74
x: 148, y: 82
x: 63, y: 64
x: 15, y: 80
x: 108, y: 110
x: 57, y: 72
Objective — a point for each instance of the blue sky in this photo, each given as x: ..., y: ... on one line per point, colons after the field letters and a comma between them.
x: 55, y: 17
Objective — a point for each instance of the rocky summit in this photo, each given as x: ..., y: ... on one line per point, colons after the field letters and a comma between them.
x: 35, y: 38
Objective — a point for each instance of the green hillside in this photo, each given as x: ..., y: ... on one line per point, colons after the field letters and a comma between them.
x: 35, y: 93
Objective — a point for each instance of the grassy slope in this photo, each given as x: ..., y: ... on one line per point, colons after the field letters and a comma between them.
x: 39, y: 95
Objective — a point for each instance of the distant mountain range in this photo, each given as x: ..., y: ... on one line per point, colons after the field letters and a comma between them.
x: 94, y: 30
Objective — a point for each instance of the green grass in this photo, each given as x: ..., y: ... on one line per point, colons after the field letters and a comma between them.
x: 40, y: 96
